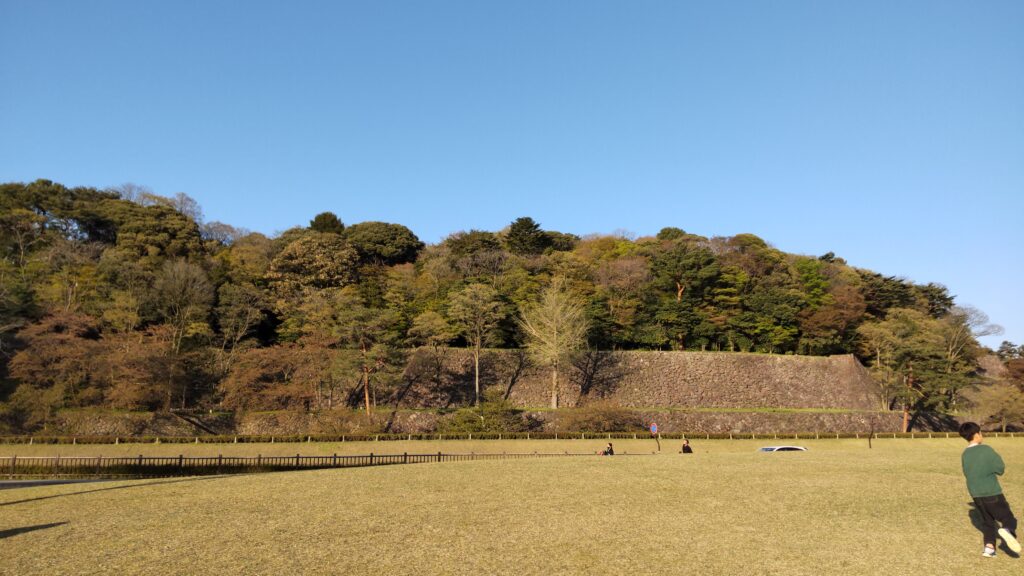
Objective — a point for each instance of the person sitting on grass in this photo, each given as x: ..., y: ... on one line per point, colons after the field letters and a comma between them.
x: 608, y: 451
x: 686, y: 448
x: 981, y: 465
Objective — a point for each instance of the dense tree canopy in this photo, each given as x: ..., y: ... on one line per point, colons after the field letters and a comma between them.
x: 128, y: 299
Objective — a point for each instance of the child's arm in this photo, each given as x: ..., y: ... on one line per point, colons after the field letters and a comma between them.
x: 997, y: 465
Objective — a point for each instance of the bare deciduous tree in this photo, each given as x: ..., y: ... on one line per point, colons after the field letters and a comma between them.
x: 184, y: 296
x: 555, y: 328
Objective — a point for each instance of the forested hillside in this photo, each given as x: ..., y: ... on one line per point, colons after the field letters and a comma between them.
x: 126, y: 299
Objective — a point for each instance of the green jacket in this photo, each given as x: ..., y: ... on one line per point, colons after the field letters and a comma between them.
x: 981, y: 466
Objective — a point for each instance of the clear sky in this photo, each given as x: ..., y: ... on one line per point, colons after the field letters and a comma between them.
x: 889, y: 132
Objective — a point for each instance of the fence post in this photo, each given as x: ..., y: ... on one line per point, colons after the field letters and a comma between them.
x: 99, y: 464
x: 438, y: 456
x: 56, y: 464
x: 259, y: 460
x: 405, y: 458
x: 14, y: 462
x: 371, y: 458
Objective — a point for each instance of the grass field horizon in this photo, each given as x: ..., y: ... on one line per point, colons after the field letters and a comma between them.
x: 840, y: 508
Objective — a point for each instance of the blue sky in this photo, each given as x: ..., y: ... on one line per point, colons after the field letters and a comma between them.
x: 891, y: 132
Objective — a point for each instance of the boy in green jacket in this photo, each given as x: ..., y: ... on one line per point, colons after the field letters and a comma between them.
x: 981, y: 466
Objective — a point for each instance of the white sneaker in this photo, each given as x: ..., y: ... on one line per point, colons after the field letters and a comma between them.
x: 989, y: 552
x: 1009, y: 540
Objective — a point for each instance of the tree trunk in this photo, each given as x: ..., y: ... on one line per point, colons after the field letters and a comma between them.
x: 554, y: 386
x: 366, y: 390
x: 906, y: 401
x: 679, y: 291
x: 476, y: 372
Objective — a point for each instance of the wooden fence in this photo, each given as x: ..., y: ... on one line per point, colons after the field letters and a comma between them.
x: 164, y: 466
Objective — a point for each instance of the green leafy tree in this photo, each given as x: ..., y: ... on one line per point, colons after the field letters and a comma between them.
x: 384, y: 244
x: 314, y: 260
x: 526, y: 238
x: 908, y: 356
x: 462, y: 244
x: 1009, y: 351
x: 684, y: 266
x: 368, y: 335
x: 998, y: 402
x: 937, y: 300
x: 328, y: 223
x: 475, y: 312
x: 434, y: 332
x: 152, y: 233
x: 561, y: 241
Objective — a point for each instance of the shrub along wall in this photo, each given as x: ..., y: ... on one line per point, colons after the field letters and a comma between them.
x: 344, y: 422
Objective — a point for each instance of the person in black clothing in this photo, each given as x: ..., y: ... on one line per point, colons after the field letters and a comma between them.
x: 686, y: 448
x: 608, y: 451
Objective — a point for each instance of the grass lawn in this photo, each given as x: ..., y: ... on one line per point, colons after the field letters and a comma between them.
x: 900, y: 508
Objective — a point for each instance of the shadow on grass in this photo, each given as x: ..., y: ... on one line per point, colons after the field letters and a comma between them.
x: 978, y: 522
x: 16, y: 531
x: 196, y: 479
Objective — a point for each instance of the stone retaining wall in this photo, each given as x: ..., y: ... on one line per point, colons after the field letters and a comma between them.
x: 645, y: 380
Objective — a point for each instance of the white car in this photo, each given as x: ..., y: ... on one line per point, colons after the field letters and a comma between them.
x: 783, y: 449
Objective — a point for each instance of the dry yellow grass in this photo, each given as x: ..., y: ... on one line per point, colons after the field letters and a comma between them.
x: 900, y: 508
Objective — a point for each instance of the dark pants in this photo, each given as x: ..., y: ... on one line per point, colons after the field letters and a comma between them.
x: 995, y: 509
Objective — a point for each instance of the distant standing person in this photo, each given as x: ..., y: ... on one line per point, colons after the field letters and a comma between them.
x: 655, y: 435
x: 686, y: 448
x: 981, y: 465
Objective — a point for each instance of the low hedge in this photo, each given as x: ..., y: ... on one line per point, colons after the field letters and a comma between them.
x: 231, y: 439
